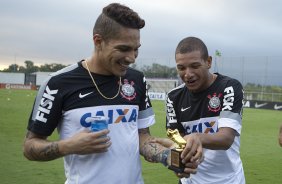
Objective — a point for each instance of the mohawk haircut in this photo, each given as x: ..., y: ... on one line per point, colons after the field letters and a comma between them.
x: 113, y: 17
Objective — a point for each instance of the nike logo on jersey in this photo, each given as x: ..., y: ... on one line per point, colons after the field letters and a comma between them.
x: 184, y: 109
x: 259, y: 105
x: 276, y: 107
x: 84, y: 95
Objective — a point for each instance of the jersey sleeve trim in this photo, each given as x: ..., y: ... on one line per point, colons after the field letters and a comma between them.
x: 146, y: 122
x: 230, y: 115
x: 230, y: 123
x: 146, y: 113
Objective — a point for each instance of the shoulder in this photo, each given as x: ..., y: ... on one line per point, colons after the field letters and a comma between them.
x: 176, y: 91
x: 228, y: 81
x: 65, y: 70
x: 134, y: 74
x: 133, y: 71
x: 61, y: 76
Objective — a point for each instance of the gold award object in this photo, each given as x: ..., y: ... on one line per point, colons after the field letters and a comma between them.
x: 176, y: 164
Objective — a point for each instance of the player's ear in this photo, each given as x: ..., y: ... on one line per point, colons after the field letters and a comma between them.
x: 209, y: 62
x: 97, y: 39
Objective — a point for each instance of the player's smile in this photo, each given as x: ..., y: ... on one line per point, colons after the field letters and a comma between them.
x: 192, y: 84
x: 123, y: 65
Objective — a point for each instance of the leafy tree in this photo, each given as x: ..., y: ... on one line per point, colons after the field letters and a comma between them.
x: 30, y: 67
x: 159, y: 71
x: 12, y: 68
x: 22, y: 69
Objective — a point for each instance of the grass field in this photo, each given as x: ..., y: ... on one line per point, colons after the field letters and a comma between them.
x: 260, y: 152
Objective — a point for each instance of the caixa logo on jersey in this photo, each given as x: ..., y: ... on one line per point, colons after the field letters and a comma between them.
x: 114, y: 115
x: 203, y: 127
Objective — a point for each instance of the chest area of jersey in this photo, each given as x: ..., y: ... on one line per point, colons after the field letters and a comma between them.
x: 207, y: 105
x: 115, y: 114
x: 86, y: 95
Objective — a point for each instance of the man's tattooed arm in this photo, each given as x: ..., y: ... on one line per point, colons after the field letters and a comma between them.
x: 39, y: 148
x: 150, y: 149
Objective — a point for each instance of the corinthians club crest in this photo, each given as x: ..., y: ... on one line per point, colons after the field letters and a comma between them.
x: 127, y: 90
x: 214, y: 103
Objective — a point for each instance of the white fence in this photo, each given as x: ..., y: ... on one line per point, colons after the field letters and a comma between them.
x: 12, y: 78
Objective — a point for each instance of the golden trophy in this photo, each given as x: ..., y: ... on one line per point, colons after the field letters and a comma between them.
x: 176, y: 164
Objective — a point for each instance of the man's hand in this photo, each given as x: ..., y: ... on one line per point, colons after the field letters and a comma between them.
x: 37, y: 147
x: 280, y: 135
x: 193, y: 151
x: 191, y: 155
x: 164, y: 142
x: 87, y: 142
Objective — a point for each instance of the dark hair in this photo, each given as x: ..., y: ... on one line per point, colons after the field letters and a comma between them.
x: 113, y: 17
x: 191, y: 44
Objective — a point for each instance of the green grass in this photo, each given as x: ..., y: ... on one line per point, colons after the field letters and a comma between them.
x: 260, y: 152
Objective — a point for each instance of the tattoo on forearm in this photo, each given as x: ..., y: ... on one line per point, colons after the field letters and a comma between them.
x: 50, y: 152
x: 150, y: 150
x: 153, y: 152
x: 40, y: 149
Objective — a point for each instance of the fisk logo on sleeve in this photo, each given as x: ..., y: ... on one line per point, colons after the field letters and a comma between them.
x: 171, y: 116
x: 228, y: 98
x: 46, y: 104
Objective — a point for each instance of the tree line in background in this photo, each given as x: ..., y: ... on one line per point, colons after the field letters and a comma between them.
x: 154, y: 70
x: 31, y: 68
x: 150, y: 71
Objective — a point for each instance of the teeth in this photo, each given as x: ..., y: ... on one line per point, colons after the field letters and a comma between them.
x: 122, y: 64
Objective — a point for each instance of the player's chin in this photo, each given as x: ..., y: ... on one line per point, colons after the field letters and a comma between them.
x: 192, y: 88
x: 120, y: 73
x: 121, y: 70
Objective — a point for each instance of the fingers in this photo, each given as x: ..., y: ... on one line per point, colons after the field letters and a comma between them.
x: 182, y: 175
x: 192, y: 155
x: 101, y: 140
x: 198, y: 156
x: 164, y: 142
x: 87, y: 142
x: 189, y: 151
x: 100, y: 148
x: 193, y: 150
x: 101, y: 133
x: 191, y: 168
